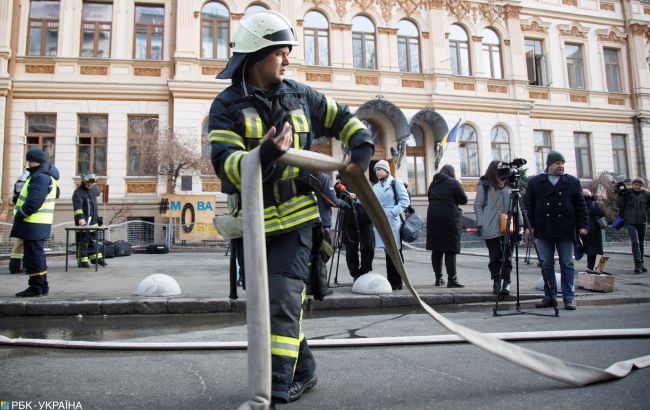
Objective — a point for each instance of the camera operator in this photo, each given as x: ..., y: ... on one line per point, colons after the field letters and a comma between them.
x: 633, y: 205
x: 356, y: 231
x: 556, y: 210
x: 493, y: 199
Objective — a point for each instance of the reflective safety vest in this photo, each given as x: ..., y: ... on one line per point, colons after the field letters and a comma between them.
x: 45, y: 214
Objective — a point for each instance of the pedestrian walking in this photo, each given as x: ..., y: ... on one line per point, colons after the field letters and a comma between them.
x: 262, y: 108
x: 592, y: 243
x: 394, y: 198
x: 444, y: 224
x: 33, y: 216
x: 556, y: 210
x: 633, y: 205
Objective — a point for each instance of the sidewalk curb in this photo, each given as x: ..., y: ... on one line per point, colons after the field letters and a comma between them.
x: 165, y: 305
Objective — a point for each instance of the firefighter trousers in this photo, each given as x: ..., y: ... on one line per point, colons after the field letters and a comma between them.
x: 288, y: 256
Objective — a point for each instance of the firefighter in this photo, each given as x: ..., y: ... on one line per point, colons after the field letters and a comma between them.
x: 261, y: 108
x: 84, y: 205
x: 33, y: 217
x: 16, y: 259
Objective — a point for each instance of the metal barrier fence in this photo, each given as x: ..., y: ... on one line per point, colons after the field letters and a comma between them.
x: 142, y: 233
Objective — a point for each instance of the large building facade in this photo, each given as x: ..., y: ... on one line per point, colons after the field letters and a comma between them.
x: 86, y: 80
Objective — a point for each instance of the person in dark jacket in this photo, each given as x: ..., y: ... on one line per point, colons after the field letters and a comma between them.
x: 356, y: 234
x: 592, y: 243
x: 33, y: 216
x: 556, y: 210
x: 16, y: 259
x: 633, y: 205
x: 262, y: 108
x: 85, y: 208
x: 444, y: 224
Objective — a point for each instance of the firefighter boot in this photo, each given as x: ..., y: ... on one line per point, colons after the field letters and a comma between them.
x: 35, y: 288
x: 46, y: 285
x: 14, y: 265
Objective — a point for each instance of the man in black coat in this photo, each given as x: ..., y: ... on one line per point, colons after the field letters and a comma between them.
x: 85, y: 208
x: 556, y: 209
x: 633, y: 205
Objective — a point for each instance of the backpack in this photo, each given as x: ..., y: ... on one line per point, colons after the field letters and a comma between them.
x: 412, y: 224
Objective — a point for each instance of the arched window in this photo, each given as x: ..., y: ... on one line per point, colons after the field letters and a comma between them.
x: 408, y: 47
x: 500, y: 144
x: 215, y: 28
x: 459, y: 50
x: 316, y: 39
x: 492, y: 54
x: 364, y: 43
x: 468, y: 150
x: 415, y: 161
x: 255, y: 8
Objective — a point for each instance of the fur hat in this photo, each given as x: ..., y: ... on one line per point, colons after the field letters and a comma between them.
x: 36, y: 155
x: 382, y: 164
x: 554, y: 157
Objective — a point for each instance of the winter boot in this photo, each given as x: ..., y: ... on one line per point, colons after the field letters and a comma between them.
x: 453, y: 282
x: 638, y: 267
x: 643, y: 268
x: 439, y: 280
x: 495, y: 287
x: 46, y: 285
x: 35, y: 288
x: 14, y: 265
x: 505, y: 288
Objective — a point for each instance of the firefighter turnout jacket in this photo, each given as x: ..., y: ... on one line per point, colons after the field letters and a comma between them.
x: 238, y: 122
x: 84, y: 204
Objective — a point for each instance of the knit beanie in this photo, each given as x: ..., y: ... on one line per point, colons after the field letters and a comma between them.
x: 554, y: 157
x: 382, y: 164
x: 36, y: 155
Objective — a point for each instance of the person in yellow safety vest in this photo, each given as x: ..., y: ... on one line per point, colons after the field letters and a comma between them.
x: 33, y: 215
x: 262, y: 108
x: 85, y: 208
x: 16, y: 259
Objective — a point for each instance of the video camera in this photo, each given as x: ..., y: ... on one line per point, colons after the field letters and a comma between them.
x: 620, y: 182
x: 512, y: 171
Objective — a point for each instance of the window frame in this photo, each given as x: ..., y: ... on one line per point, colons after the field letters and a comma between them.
x: 540, y: 66
x: 215, y: 24
x: 41, y: 136
x: 148, y: 31
x: 613, y: 69
x: 498, y: 145
x: 412, y: 154
x: 541, y: 151
x: 462, y: 149
x: 407, y: 42
x: 579, y: 151
x: 365, y: 37
x: 456, y: 45
x: 620, y: 155
x: 493, y: 49
x: 143, y: 145
x: 317, y: 33
x: 46, y: 24
x: 92, y: 145
x: 96, y: 30
x: 572, y: 64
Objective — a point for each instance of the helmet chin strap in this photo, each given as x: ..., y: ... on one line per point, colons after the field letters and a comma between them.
x: 243, y: 77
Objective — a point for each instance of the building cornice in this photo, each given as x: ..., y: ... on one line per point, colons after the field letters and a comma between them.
x: 89, y: 91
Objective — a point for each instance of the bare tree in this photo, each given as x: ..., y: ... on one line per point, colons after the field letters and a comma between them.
x: 603, y: 187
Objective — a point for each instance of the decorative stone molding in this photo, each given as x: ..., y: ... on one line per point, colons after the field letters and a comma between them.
x: 459, y: 8
x: 366, y: 80
x: 638, y: 29
x: 321, y: 77
x: 615, y: 101
x: 211, y: 186
x: 581, y: 98
x: 39, y: 69
x: 506, y: 42
x: 299, y: 23
x: 93, y: 70
x: 236, y: 16
x: 464, y: 86
x: 386, y: 30
x: 147, y: 71
x: 611, y: 36
x: 425, y: 35
x: 211, y: 70
x: 364, y: 4
x: 607, y: 6
x: 141, y: 187
x: 570, y: 2
x: 511, y: 12
x: 573, y: 30
x: 340, y: 7
x: 436, y: 4
x: 490, y: 12
x: 386, y: 7
x: 493, y: 88
x: 478, y: 39
x: 412, y: 83
x: 646, y: 10
x: 538, y: 95
x: 340, y: 26
x: 469, y: 186
x: 535, y: 27
x: 319, y: 3
x: 409, y: 6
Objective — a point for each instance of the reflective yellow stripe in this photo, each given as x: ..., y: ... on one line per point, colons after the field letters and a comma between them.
x: 284, y: 352
x: 291, y: 213
x: 78, y: 211
x: 285, y: 346
x: 302, y: 300
x: 299, y: 121
x: 253, y: 123
x: 228, y: 137
x: 232, y: 168
x: 16, y: 256
x: 45, y: 214
x: 330, y: 114
x: 37, y: 274
x: 285, y: 340
x: 353, y: 125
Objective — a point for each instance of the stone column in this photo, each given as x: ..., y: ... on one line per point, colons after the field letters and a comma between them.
x: 438, y: 51
x: 517, y: 54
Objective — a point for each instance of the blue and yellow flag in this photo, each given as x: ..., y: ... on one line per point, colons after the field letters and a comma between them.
x: 451, y: 135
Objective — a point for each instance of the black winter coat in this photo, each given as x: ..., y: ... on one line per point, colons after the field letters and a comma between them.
x: 85, y: 200
x: 556, y: 211
x: 593, y: 242
x: 444, y: 218
x: 40, y: 184
x: 634, y: 206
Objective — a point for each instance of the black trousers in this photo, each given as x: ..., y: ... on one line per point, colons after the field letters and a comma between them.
x: 392, y: 275
x: 365, y: 241
x: 450, y: 264
x: 495, y: 250
x: 288, y: 256
x: 87, y: 246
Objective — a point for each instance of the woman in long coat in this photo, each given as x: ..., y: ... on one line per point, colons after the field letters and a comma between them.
x: 592, y: 243
x: 444, y: 223
x: 394, y: 199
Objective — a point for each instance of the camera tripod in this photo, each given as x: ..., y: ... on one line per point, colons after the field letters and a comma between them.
x: 514, y: 210
x: 337, y: 243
